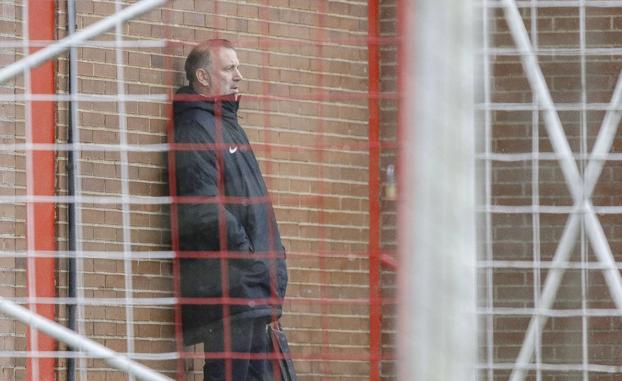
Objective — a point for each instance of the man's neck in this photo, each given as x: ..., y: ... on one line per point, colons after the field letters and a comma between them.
x: 203, y: 91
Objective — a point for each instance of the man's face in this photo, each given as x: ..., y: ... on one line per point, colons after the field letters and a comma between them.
x: 223, y: 73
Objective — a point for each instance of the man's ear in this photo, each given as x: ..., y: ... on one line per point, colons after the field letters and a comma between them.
x: 202, y: 77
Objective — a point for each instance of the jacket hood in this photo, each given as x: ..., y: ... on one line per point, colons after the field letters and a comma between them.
x: 186, y: 99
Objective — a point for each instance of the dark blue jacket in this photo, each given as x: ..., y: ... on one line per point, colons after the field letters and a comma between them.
x: 219, y: 162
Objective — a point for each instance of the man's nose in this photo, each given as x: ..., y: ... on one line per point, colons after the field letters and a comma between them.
x: 238, y: 75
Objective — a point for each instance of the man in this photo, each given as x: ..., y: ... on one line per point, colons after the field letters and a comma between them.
x: 232, y: 255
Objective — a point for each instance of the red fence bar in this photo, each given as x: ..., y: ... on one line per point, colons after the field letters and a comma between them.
x: 41, y: 25
x: 375, y: 313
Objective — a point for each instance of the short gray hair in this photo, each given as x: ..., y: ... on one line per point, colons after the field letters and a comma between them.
x: 200, y: 56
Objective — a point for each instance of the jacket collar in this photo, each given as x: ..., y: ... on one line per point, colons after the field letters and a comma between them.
x: 187, y: 98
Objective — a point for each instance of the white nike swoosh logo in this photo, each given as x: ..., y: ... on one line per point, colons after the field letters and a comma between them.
x: 233, y: 149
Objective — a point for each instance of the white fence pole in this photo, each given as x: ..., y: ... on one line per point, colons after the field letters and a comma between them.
x: 437, y: 334
x: 80, y: 342
x: 87, y: 33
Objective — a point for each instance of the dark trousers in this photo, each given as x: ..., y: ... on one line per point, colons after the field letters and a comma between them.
x: 247, y: 336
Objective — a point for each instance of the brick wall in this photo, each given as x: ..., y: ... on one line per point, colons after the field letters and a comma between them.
x: 102, y: 225
x: 513, y: 235
x: 311, y: 143
x: 388, y: 132
x: 12, y: 270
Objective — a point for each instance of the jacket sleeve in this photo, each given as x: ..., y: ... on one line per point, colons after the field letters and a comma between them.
x: 197, y: 175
